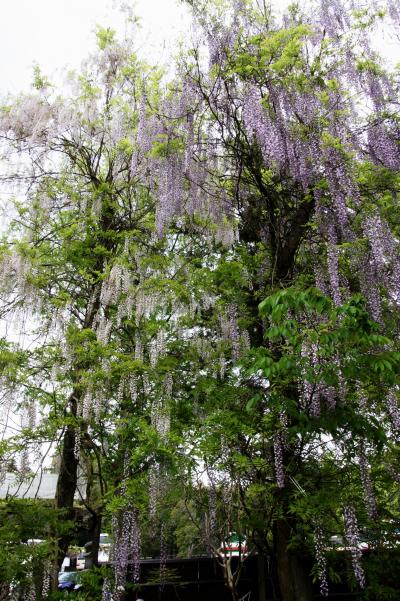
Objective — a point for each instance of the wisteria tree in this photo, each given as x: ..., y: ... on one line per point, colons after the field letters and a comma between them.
x: 290, y: 176
x: 82, y: 220
x: 211, y: 271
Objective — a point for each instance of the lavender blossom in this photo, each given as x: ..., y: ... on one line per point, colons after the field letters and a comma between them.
x: 154, y: 490
x: 393, y: 408
x: 77, y: 443
x: 138, y: 348
x: 212, y: 507
x: 333, y: 267
x: 334, y: 17
x: 133, y: 388
x: 126, y: 548
x: 30, y: 593
x: 321, y: 560
x: 369, y: 288
x: 222, y: 366
x: 170, y: 194
x: 368, y: 489
x: 383, y: 146
x: 46, y: 579
x: 278, y: 455
x: 163, y: 556
x: 394, y: 11
x: 106, y: 593
x: 352, y: 535
x: 310, y: 393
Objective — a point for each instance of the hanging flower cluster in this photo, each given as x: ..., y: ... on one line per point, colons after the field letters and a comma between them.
x: 278, y: 457
x: 367, y: 485
x: 319, y: 544
x: 352, y: 538
x: 126, y: 549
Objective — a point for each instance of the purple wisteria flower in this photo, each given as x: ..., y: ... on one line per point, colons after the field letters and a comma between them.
x: 352, y: 538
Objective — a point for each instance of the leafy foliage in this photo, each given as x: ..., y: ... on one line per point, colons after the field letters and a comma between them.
x: 210, y: 270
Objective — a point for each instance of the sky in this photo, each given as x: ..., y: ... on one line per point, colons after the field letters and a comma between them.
x: 58, y: 34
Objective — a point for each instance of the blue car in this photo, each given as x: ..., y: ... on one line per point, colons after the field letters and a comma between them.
x: 69, y: 581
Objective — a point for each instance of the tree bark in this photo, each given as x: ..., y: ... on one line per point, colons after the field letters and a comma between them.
x: 294, y: 583
x: 95, y: 539
x: 65, y: 491
x: 262, y: 588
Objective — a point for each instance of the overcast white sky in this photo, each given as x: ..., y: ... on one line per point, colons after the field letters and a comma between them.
x: 59, y: 33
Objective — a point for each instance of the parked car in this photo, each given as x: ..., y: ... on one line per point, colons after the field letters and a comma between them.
x: 105, y: 540
x: 69, y: 581
x: 104, y: 548
x: 81, y: 560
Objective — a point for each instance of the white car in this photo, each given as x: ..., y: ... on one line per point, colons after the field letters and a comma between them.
x: 80, y: 561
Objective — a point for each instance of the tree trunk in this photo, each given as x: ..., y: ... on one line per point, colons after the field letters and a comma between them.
x: 65, y: 491
x: 262, y: 589
x: 294, y: 583
x: 95, y: 539
x: 230, y: 578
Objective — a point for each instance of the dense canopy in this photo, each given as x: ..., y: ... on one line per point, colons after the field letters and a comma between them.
x: 206, y: 267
